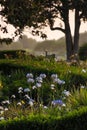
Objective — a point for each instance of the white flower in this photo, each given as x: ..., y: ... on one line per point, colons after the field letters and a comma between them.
x: 52, y: 86
x: 19, y: 104
x: 6, y: 102
x: 20, y: 88
x: 26, y: 96
x: 1, y: 108
x: 38, y: 85
x: 61, y: 82
x: 30, y: 80
x: 3, y: 102
x: 29, y: 75
x: 43, y: 75
x: 31, y: 102
x: 1, y: 112
x: 13, y: 96
x: 83, y: 70
x: 34, y: 87
x: 66, y: 93
x: 20, y: 91
x: 39, y: 79
x: 26, y: 90
x: 63, y: 105
x: 9, y: 76
x: 45, y: 107
x: 6, y: 109
x: 1, y: 118
x: 53, y: 76
x: 82, y: 86
x: 55, y: 80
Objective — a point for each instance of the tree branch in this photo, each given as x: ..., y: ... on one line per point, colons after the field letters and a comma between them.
x: 57, y: 28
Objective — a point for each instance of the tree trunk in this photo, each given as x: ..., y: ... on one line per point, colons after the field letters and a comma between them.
x: 72, y: 46
x: 76, y: 34
x: 68, y: 38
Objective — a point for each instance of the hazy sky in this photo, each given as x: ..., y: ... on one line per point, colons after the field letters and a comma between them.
x: 50, y: 34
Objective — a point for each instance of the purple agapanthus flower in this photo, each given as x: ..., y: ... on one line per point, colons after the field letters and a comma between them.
x: 57, y: 102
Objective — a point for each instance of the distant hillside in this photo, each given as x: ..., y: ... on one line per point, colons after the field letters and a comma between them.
x: 28, y: 43
x: 52, y: 46
x: 82, y: 40
x: 58, y: 46
x: 24, y: 43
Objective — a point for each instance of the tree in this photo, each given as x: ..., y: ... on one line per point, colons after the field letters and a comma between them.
x: 40, y: 13
x: 21, y: 14
x: 59, y: 9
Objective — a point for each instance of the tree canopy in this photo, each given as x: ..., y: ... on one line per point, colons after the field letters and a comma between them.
x: 37, y: 14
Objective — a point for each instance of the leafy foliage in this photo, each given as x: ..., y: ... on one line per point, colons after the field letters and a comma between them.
x: 83, y: 52
x: 78, y: 98
x: 72, y: 120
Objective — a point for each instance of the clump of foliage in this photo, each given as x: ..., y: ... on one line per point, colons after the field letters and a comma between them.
x: 83, y: 52
x: 77, y: 98
x: 10, y: 54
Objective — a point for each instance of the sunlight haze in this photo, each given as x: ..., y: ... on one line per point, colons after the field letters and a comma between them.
x: 50, y: 34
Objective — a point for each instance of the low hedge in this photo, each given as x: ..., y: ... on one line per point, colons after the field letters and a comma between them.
x: 9, y: 54
x: 74, y: 78
x: 7, y: 68
x: 76, y: 120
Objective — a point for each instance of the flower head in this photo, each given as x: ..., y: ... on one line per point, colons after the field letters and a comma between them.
x: 26, y: 90
x: 52, y: 86
x: 29, y: 75
x: 1, y: 108
x: 39, y: 79
x: 83, y: 70
x: 30, y: 80
x: 53, y: 76
x: 57, y: 102
x: 38, y: 85
x: 19, y: 104
x: 34, y: 87
x: 1, y: 118
x: 43, y: 75
x: 20, y: 88
x: 13, y: 96
x: 66, y: 93
x: 60, y: 82
x: 26, y: 97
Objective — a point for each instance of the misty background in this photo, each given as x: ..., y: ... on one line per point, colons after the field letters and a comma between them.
x: 34, y: 47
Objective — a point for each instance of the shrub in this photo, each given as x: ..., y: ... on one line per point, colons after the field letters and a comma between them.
x: 75, y: 120
x: 9, y: 54
x: 83, y: 52
x: 77, y: 98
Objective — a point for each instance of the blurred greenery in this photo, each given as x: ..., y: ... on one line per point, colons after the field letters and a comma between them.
x: 83, y: 52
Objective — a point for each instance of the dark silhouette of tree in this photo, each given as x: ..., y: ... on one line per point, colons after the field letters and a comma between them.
x: 41, y: 13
